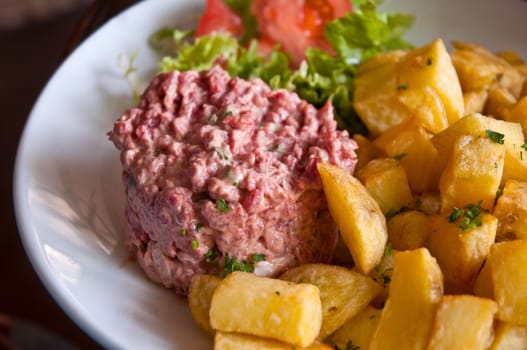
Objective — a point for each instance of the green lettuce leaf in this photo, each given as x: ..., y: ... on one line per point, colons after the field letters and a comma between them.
x: 200, y: 54
x: 365, y: 32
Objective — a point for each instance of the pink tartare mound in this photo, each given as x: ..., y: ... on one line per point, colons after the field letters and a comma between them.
x: 214, y: 165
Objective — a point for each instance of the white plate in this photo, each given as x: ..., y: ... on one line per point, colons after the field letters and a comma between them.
x: 68, y: 191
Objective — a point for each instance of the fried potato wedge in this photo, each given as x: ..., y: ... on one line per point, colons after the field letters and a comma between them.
x: 267, y: 307
x: 199, y: 297
x: 343, y: 292
x: 360, y: 220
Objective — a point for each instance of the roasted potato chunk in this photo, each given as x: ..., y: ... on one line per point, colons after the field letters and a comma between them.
x: 386, y: 180
x: 199, y: 297
x: 518, y: 114
x: 463, y: 322
x: 360, y: 219
x: 515, y: 166
x: 459, y: 251
x: 511, y: 211
x: 365, y: 152
x: 475, y: 101
x: 415, y: 291
x: 408, y: 230
x: 499, y: 100
x: 382, y: 274
x: 267, y: 307
x: 472, y: 174
x: 505, y: 279
x: 423, y: 84
x: 343, y: 292
x: 478, y: 68
x: 411, y: 144
x: 509, y: 337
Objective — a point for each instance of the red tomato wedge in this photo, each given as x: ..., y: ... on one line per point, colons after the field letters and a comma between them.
x: 218, y: 17
x: 295, y: 24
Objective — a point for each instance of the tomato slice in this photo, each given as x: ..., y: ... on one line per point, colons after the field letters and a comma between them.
x: 218, y: 17
x: 297, y: 24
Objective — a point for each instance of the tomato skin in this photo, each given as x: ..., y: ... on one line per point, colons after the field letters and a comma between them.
x: 297, y: 24
x: 294, y: 24
x: 218, y: 17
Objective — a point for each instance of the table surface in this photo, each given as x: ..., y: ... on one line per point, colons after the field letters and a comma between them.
x: 29, y: 56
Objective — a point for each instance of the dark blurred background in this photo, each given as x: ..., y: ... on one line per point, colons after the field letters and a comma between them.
x: 35, y: 37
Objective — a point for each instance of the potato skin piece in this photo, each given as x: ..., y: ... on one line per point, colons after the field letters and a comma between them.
x: 267, y: 307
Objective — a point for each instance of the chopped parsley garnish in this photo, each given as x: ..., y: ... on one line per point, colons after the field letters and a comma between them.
x: 388, y: 249
x: 429, y: 61
x: 349, y: 346
x: 470, y: 214
x: 183, y: 231
x: 392, y: 212
x: 226, y: 113
x: 386, y: 278
x: 495, y: 136
x: 232, y: 264
x: 222, y: 205
x: 199, y: 226
x: 277, y: 292
x: 194, y: 244
x: 400, y: 156
x: 211, y: 256
x: 221, y: 153
x: 403, y: 87
x: 524, y: 146
x: 384, y: 275
x: 258, y: 257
